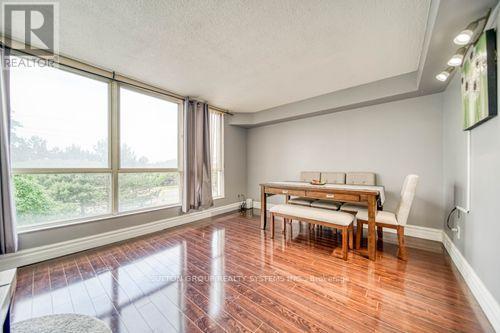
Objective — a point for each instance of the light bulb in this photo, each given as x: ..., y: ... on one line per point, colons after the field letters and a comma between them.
x: 443, y: 76
x: 457, y: 58
x: 464, y: 37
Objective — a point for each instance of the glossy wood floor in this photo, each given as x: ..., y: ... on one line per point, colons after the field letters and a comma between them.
x: 225, y: 274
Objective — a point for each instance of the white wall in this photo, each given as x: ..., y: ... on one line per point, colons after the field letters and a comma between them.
x: 480, y: 230
x: 392, y: 140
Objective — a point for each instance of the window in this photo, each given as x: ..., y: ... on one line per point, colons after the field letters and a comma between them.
x: 148, y: 131
x: 217, y: 152
x: 149, y: 151
x: 59, y: 130
x: 83, y: 146
x: 59, y: 119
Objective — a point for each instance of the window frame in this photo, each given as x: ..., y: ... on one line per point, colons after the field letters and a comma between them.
x: 113, y: 168
x: 116, y: 168
x: 222, y: 193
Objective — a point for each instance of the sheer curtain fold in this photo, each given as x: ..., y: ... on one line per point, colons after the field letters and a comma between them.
x: 197, y: 189
x: 8, y: 235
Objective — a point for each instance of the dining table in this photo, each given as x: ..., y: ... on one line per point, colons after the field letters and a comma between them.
x: 373, y: 196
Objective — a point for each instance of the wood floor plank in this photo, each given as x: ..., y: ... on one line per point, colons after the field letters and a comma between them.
x: 225, y: 274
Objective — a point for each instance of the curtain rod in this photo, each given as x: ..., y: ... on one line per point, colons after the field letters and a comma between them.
x: 94, y: 70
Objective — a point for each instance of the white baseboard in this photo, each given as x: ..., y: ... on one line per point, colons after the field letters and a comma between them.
x: 33, y: 255
x: 487, y: 302
x: 420, y: 232
x: 410, y: 230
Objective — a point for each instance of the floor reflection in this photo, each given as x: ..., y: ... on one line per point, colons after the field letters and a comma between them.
x: 217, y: 271
x: 177, y: 281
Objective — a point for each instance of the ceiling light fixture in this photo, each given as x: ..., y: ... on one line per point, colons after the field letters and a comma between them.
x: 465, y: 36
x: 443, y: 76
x: 457, y: 58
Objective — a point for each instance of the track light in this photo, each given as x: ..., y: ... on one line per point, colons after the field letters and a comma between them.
x: 457, y: 58
x: 465, y: 36
x: 443, y: 76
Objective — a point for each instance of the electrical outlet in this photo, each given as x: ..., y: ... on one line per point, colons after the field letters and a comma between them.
x: 458, y: 232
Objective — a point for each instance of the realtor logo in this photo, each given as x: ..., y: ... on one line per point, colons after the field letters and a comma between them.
x: 33, y: 24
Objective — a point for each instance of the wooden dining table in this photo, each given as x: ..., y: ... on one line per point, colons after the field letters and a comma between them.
x: 373, y: 196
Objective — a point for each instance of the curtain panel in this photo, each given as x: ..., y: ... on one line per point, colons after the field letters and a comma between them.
x: 8, y: 235
x: 197, y: 189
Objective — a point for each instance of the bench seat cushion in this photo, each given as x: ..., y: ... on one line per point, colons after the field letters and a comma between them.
x: 301, y: 201
x: 326, y: 204
x: 382, y: 217
x: 316, y: 214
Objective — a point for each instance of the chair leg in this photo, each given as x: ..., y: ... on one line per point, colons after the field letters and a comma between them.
x: 344, y: 243
x: 351, y: 236
x: 359, y: 234
x: 401, y: 242
x: 272, y: 225
x: 284, y: 224
x: 380, y: 237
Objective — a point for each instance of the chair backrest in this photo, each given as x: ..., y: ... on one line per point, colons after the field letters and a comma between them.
x: 407, y: 196
x: 333, y: 177
x: 307, y: 176
x: 360, y: 178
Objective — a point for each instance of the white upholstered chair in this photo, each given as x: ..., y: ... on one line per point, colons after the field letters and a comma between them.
x: 308, y: 176
x: 330, y: 178
x: 358, y: 178
x: 396, y: 220
x: 305, y: 176
x: 333, y: 177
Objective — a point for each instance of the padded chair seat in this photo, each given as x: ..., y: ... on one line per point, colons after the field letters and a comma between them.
x: 301, y: 201
x: 326, y: 204
x: 382, y: 217
x: 317, y: 214
x: 352, y: 207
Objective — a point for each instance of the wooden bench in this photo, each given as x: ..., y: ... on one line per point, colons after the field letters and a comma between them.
x: 324, y: 217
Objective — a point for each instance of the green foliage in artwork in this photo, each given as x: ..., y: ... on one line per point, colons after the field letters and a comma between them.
x: 475, y: 84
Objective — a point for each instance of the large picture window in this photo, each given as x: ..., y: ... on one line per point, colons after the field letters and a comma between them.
x: 149, y: 151
x: 217, y: 152
x: 84, y: 146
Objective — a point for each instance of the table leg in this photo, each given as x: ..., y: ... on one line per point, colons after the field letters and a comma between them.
x: 263, y: 207
x: 372, y: 211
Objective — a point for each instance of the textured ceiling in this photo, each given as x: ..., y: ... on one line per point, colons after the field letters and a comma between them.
x: 247, y: 55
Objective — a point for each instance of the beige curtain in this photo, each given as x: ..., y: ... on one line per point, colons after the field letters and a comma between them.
x: 197, y: 190
x: 8, y: 235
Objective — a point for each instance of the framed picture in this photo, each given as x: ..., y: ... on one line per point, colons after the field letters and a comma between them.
x: 479, y: 81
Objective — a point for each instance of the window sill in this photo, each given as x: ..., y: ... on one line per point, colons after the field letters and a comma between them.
x: 61, y: 224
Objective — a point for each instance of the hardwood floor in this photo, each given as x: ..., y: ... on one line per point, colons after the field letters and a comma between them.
x: 225, y: 274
